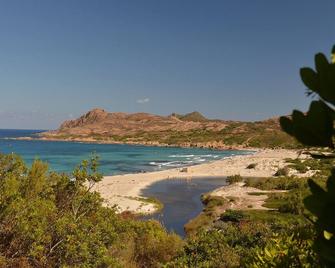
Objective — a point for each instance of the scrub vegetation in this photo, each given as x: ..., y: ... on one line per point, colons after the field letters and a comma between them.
x: 54, y: 220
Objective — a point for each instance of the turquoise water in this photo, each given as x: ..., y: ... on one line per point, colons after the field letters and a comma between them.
x: 114, y: 158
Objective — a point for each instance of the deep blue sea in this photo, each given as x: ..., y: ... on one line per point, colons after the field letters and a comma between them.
x: 114, y: 158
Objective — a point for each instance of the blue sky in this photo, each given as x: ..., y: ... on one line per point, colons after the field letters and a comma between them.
x: 227, y: 59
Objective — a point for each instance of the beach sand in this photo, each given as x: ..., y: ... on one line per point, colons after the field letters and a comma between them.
x: 124, y: 191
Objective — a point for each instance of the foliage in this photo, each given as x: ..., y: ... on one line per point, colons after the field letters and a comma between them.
x: 232, y: 216
x: 201, y: 222
x: 146, y: 244
x: 56, y: 220
x: 292, y: 202
x: 279, y: 183
x: 225, y: 245
x: 287, y: 202
x: 321, y: 203
x: 282, y: 171
x: 264, y: 134
x: 234, y: 179
x: 298, y: 165
x: 212, y: 201
x: 316, y: 128
x: 213, y: 206
x: 285, y: 251
x: 207, y: 249
x: 241, y: 235
x: 321, y: 166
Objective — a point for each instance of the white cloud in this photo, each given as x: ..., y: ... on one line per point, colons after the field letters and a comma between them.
x: 141, y: 101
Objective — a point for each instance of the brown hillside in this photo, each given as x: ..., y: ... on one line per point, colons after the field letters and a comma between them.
x: 183, y: 130
x: 98, y: 121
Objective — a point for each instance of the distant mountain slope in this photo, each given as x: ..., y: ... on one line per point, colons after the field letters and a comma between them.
x: 194, y: 116
x: 98, y: 121
x: 192, y: 129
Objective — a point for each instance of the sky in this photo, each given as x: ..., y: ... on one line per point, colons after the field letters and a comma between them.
x: 235, y: 60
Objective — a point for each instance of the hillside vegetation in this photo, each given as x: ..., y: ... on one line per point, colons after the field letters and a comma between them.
x: 192, y: 129
x: 194, y: 116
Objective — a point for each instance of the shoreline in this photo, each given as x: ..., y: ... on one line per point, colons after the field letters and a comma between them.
x: 207, y: 145
x: 125, y: 190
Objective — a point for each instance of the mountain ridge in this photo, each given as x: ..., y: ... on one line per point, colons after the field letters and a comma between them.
x: 192, y: 129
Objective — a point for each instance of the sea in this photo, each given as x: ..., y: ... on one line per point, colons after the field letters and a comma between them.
x: 113, y: 158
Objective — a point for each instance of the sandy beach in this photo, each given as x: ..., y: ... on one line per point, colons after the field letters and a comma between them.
x: 125, y: 190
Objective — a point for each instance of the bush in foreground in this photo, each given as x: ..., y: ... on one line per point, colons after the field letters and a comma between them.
x: 55, y: 220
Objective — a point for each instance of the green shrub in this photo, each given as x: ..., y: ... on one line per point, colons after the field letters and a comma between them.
x: 201, y: 222
x: 233, y: 216
x: 207, y: 249
x: 285, y: 251
x: 234, y: 179
x: 279, y: 183
x: 56, y: 220
x: 299, y: 165
x: 282, y: 172
x: 152, y: 245
x: 301, y: 168
x: 226, y: 244
x: 292, y: 203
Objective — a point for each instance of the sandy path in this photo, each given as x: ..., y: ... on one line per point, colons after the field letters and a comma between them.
x: 123, y: 190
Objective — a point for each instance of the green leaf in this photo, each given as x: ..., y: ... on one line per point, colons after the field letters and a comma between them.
x: 310, y: 78
x: 327, y: 235
x: 316, y: 189
x: 315, y: 203
x: 326, y: 248
x: 313, y: 129
x: 327, y: 84
x: 321, y: 63
x: 322, y: 81
x: 286, y: 125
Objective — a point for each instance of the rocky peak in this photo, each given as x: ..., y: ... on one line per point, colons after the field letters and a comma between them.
x: 95, y: 114
x: 91, y: 117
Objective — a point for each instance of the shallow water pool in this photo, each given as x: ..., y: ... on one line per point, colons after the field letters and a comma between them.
x: 181, y: 200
